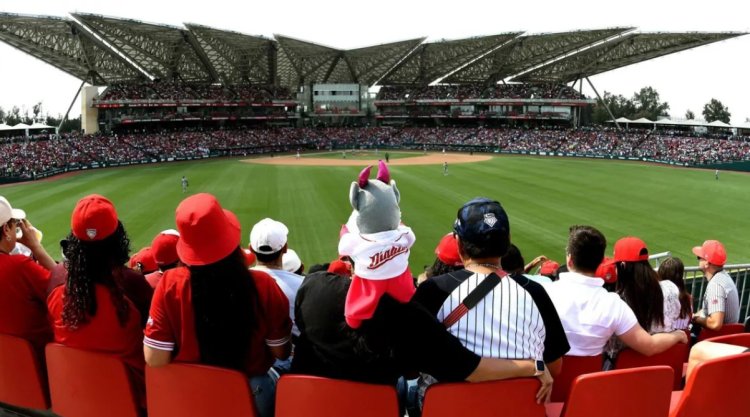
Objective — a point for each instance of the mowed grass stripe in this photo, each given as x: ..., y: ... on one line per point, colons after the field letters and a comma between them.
x: 670, y: 208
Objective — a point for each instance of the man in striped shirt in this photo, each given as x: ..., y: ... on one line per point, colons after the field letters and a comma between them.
x: 516, y: 319
x: 721, y: 302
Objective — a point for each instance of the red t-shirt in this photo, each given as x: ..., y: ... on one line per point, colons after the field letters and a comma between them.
x: 23, y: 295
x: 103, y: 332
x: 171, y: 325
x: 154, y: 278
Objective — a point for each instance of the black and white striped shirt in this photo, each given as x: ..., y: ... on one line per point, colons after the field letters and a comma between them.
x: 516, y: 320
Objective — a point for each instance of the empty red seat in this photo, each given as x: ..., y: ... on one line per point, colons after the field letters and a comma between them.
x: 635, y: 392
x: 715, y: 388
x: 310, y: 396
x: 89, y: 384
x: 739, y: 339
x: 22, y: 381
x: 572, y: 367
x: 191, y: 390
x: 512, y: 397
x: 673, y: 357
x: 730, y: 328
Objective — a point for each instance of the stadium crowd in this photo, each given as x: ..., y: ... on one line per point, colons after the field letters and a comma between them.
x: 479, y: 91
x: 29, y: 157
x: 361, y: 316
x: 175, y: 91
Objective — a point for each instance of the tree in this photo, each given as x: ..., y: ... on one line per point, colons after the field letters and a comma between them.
x: 715, y: 110
x: 648, y: 105
x: 618, y: 104
x: 690, y: 115
x: 2, y: 115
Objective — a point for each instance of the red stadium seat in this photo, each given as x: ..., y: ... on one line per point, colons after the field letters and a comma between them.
x: 730, y: 328
x: 22, y: 381
x: 191, y: 390
x: 310, y: 396
x: 673, y: 357
x: 715, y: 388
x: 89, y: 384
x: 739, y: 339
x: 513, y: 397
x: 641, y: 392
x: 573, y: 366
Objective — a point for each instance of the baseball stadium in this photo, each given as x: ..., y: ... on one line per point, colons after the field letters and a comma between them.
x: 201, y: 149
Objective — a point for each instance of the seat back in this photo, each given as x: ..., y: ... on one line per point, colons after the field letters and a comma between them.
x: 310, y: 396
x: 89, y: 384
x: 739, y: 339
x: 730, y: 328
x: 572, y: 367
x: 22, y: 382
x: 706, y: 392
x: 642, y: 392
x: 673, y: 357
x: 191, y: 390
x: 513, y: 397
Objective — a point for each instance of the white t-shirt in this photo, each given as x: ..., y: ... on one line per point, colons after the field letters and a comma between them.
x: 289, y: 282
x: 378, y: 256
x: 590, y: 315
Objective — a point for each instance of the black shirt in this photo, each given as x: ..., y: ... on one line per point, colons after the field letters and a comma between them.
x: 435, y: 291
x: 399, y: 338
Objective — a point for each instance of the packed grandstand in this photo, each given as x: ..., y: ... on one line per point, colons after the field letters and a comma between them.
x: 225, y: 93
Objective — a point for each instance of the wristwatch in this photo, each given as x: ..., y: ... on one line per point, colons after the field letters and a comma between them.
x: 539, y: 367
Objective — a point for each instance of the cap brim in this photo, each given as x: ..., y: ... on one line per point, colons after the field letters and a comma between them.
x: 18, y: 214
x: 698, y: 251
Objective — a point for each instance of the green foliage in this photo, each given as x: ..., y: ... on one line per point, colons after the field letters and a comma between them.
x: 690, y: 115
x: 644, y: 103
x: 715, y: 110
x: 543, y: 197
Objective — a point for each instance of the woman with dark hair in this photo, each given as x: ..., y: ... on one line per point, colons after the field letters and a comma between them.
x: 215, y: 311
x: 672, y: 281
x: 91, y: 311
x: 638, y: 285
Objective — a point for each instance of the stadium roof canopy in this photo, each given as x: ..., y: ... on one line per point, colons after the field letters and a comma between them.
x: 63, y: 44
x: 629, y: 49
x: 103, y: 50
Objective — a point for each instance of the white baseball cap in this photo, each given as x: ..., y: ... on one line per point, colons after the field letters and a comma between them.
x: 7, y: 212
x: 268, y: 236
x: 290, y: 261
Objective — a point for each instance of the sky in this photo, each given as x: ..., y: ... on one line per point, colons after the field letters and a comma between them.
x: 686, y: 80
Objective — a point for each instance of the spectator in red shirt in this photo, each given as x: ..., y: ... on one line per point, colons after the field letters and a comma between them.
x: 91, y: 310
x: 214, y: 311
x: 164, y: 248
x: 23, y: 282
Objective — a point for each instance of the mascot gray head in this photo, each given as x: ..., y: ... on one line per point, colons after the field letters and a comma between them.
x: 376, y: 201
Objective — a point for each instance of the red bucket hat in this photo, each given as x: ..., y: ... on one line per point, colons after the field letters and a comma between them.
x: 207, y: 235
x: 447, y: 251
x: 712, y: 251
x: 630, y: 249
x: 94, y: 218
x: 164, y: 247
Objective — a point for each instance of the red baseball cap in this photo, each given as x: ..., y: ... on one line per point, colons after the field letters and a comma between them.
x: 447, y: 251
x: 712, y: 251
x: 94, y: 218
x: 340, y: 267
x: 607, y: 270
x: 630, y: 249
x: 164, y: 247
x: 207, y: 235
x: 145, y: 257
x: 549, y: 268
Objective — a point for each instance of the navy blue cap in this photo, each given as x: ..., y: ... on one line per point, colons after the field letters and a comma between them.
x: 481, y: 220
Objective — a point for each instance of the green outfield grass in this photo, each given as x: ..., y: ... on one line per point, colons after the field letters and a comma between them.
x: 672, y: 209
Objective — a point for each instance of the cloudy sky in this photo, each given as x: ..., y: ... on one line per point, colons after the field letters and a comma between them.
x: 686, y: 80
